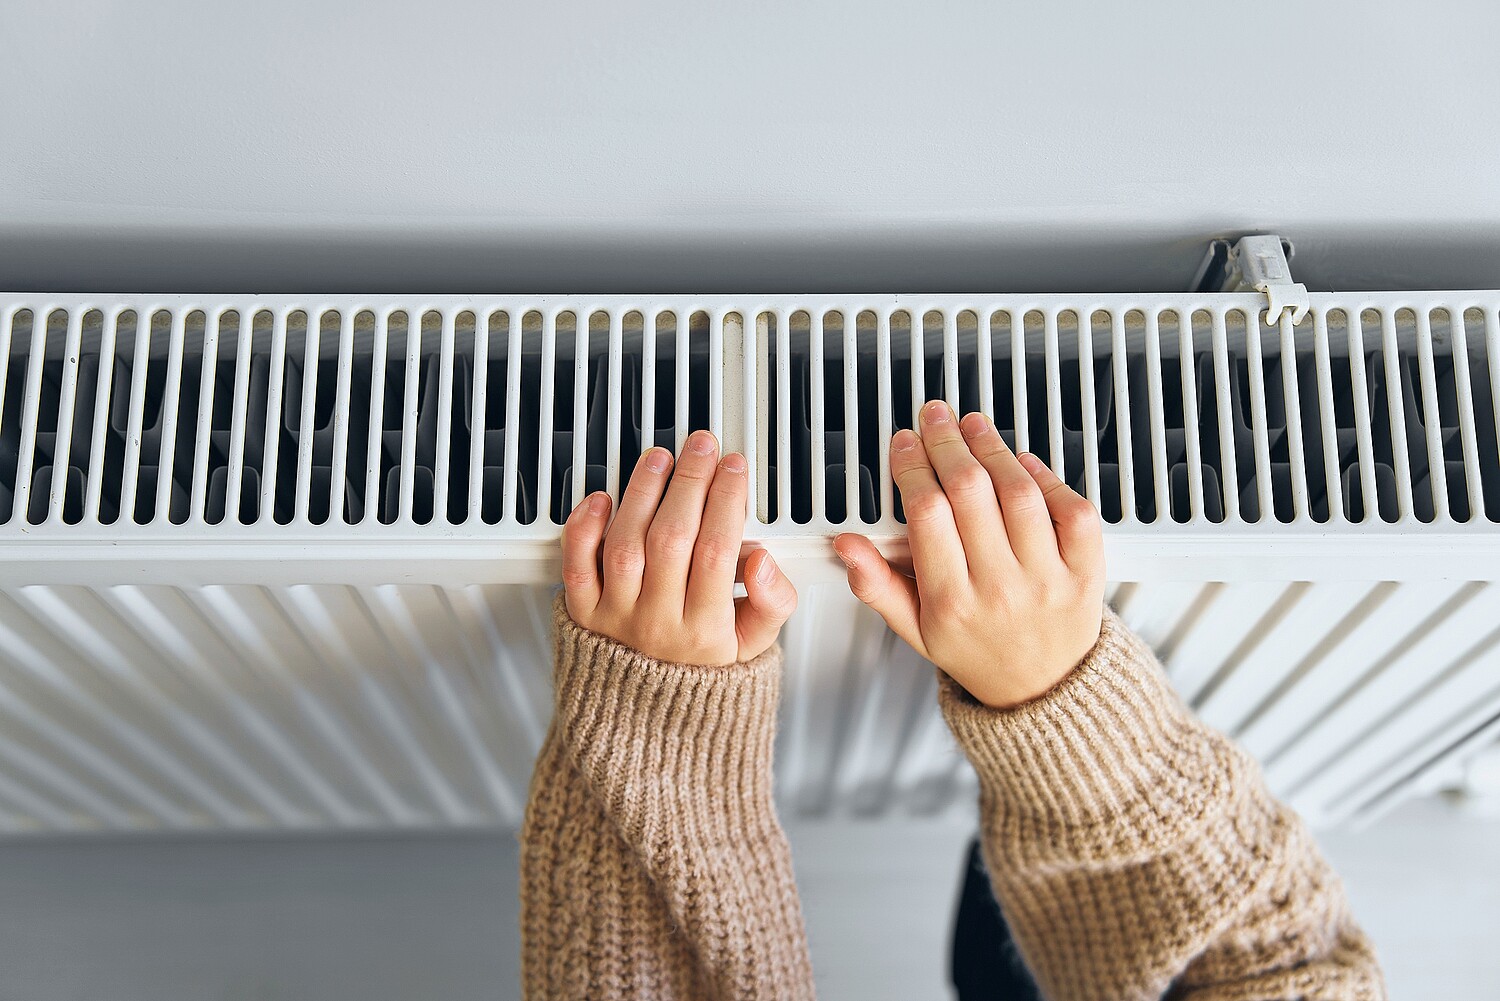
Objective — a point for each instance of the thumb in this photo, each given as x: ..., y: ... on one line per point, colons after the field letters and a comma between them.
x: 875, y: 582
x: 770, y: 599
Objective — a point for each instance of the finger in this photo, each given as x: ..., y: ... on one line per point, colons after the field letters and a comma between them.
x: 966, y: 483
x: 876, y: 583
x: 937, y: 553
x: 674, y: 529
x: 770, y: 599
x: 1028, y: 527
x: 625, y: 543
x: 718, y: 547
x: 1080, y: 536
x: 581, y: 535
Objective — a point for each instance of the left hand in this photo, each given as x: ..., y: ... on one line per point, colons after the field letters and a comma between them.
x: 660, y: 578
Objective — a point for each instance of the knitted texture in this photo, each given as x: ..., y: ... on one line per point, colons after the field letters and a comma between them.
x: 1137, y: 854
x: 652, y: 862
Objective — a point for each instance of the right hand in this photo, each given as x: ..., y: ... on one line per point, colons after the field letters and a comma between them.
x: 1009, y: 561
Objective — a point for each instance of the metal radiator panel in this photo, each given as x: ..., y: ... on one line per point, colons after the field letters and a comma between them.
x: 280, y: 563
x: 333, y: 706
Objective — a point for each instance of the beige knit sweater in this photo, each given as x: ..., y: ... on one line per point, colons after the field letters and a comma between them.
x: 1134, y: 851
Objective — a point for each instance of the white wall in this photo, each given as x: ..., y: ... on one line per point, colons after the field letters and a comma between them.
x: 388, y: 919
x: 1424, y: 883
x: 464, y: 145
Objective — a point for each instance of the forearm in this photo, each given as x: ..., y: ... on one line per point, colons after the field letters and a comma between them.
x: 1135, y: 850
x: 653, y: 863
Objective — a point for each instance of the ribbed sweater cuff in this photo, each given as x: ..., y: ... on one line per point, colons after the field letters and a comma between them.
x: 1108, y: 761
x: 650, y: 734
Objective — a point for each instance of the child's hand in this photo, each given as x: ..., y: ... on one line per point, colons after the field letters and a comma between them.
x: 1009, y: 561
x: 661, y: 579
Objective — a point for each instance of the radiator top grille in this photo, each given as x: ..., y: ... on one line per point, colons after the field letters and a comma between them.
x: 263, y: 417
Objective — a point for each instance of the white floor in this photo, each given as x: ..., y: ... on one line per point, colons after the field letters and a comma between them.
x: 434, y: 917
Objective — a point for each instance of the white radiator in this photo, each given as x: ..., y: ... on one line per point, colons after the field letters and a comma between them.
x: 284, y: 563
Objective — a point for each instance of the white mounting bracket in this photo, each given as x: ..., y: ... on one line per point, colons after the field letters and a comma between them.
x: 1260, y: 263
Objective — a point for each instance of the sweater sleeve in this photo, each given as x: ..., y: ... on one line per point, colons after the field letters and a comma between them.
x: 1136, y: 853
x: 652, y: 862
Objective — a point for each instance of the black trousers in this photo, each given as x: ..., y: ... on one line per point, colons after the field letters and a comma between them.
x: 985, y: 965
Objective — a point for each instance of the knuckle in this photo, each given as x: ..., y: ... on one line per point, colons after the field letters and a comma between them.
x: 953, y: 607
x: 781, y: 604
x: 969, y: 481
x: 690, y: 471
x: 864, y: 589
x: 649, y: 636
x: 717, y: 547
x: 990, y: 581
x: 1015, y: 604
x: 990, y: 446
x: 1021, y: 496
x: 1086, y: 579
x: 727, y: 483
x: 965, y: 607
x: 623, y: 559
x: 669, y: 540
x: 925, y: 506
x: 1053, y: 590
x: 576, y: 577
x: 945, y: 595
x: 1082, y: 518
x: 699, y: 636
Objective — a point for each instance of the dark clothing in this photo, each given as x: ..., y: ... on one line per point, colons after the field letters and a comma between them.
x: 985, y: 965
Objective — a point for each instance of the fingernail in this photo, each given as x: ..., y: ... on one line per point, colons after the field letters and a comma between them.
x: 904, y: 440
x: 599, y: 503
x: 1031, y: 462
x: 657, y: 460
x: 936, y: 412
x: 734, y: 462
x: 701, y: 442
x: 974, y: 425
x: 766, y: 572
